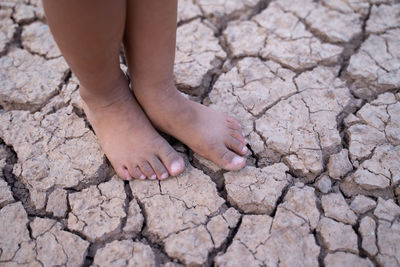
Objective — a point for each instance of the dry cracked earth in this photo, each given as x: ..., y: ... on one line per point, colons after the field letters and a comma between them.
x: 316, y: 86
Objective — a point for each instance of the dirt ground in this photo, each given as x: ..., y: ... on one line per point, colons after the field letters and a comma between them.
x: 315, y: 85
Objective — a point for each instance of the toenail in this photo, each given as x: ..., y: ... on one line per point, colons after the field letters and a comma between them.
x: 244, y: 149
x: 176, y: 166
x: 237, y: 160
x: 127, y: 176
x: 164, y: 175
x: 153, y: 177
x: 142, y: 177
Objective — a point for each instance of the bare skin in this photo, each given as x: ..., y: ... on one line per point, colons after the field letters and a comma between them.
x: 89, y: 34
x: 128, y: 138
x: 149, y: 41
x: 209, y: 133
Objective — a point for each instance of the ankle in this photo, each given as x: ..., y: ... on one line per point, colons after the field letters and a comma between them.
x: 105, y: 93
x: 156, y: 92
x: 153, y: 86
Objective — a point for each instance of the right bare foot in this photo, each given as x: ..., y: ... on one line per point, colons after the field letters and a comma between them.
x: 130, y: 142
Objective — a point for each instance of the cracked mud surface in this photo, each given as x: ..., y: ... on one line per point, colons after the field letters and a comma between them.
x: 316, y: 86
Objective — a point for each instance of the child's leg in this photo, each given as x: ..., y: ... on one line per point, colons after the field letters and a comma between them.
x: 89, y: 34
x: 150, y: 47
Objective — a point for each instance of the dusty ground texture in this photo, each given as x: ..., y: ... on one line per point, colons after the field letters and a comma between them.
x: 316, y: 85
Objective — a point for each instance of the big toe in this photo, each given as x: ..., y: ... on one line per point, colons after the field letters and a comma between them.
x: 228, y: 160
x: 171, y: 160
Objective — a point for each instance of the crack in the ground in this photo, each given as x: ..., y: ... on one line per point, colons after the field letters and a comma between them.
x: 230, y: 61
x: 128, y: 199
x: 225, y: 245
x: 16, y: 41
x: 33, y: 108
x: 216, y: 176
x: 242, y: 14
x: 353, y: 46
x: 322, y: 250
x: 91, y: 251
x: 187, y: 21
x: 18, y: 189
x: 321, y: 36
x: 204, y: 97
x: 279, y: 201
x: 39, y: 54
x: 318, y: 238
x: 142, y: 236
x: 253, y: 155
x: 161, y: 257
x: 53, y: 109
x: 361, y: 251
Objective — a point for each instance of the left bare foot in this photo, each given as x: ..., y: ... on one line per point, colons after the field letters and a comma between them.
x: 212, y: 134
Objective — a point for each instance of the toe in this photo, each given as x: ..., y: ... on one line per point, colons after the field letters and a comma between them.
x: 171, y: 160
x: 229, y: 160
x: 147, y: 170
x: 234, y: 126
x: 235, y: 145
x: 159, y: 168
x: 238, y: 135
x: 233, y: 123
x: 123, y: 173
x: 137, y: 173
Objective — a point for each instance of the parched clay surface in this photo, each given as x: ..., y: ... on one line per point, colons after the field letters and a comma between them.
x: 316, y: 86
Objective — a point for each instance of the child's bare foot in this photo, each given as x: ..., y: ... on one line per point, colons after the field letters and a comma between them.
x: 127, y: 137
x: 209, y: 133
